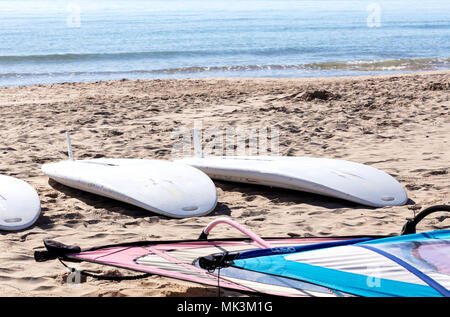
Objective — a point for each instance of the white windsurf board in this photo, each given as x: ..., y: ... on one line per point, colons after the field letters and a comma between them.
x: 167, y: 188
x: 351, y: 181
x: 163, y: 187
x: 20, y: 205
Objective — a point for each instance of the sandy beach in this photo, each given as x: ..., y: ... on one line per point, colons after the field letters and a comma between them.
x: 397, y: 123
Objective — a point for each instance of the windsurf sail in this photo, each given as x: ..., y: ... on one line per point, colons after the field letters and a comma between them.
x: 406, y: 265
x: 415, y: 265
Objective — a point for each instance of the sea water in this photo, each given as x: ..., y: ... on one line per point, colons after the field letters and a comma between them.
x: 64, y: 41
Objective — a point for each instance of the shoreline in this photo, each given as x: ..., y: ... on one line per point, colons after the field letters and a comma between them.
x: 287, y: 78
x: 397, y: 123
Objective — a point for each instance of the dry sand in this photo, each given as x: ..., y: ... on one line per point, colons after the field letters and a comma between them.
x: 400, y: 124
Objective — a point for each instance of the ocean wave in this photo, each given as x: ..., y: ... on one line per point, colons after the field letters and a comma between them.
x: 68, y: 57
x: 362, y: 66
x: 384, y: 65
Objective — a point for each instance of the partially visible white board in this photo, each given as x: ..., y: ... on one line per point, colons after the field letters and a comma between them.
x: 20, y: 205
x: 163, y: 187
x: 351, y: 181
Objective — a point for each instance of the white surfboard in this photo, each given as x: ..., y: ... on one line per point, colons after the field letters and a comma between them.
x: 351, y: 181
x: 163, y: 187
x: 20, y: 205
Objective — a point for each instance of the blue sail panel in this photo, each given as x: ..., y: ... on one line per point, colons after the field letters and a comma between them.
x: 414, y: 265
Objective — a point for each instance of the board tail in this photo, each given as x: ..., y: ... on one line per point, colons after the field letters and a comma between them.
x: 198, y: 152
x: 69, y: 146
